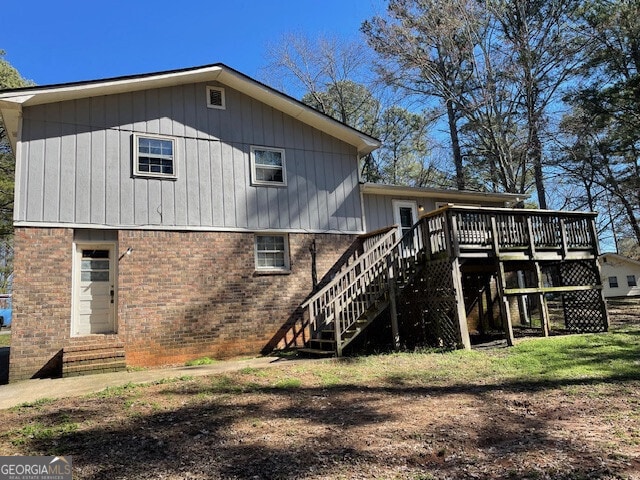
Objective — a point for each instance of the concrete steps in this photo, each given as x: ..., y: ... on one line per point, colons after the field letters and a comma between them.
x: 88, y: 359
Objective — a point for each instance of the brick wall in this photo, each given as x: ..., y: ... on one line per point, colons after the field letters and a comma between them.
x: 41, y: 300
x: 181, y: 295
x: 185, y: 295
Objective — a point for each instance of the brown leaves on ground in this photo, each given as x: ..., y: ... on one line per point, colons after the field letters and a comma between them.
x: 245, y: 426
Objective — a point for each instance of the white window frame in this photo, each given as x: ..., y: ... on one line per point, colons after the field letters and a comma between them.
x: 254, y: 180
x: 287, y: 263
x: 222, y: 95
x: 136, y: 154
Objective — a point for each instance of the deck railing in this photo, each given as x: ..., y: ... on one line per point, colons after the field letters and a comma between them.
x: 468, y: 229
x: 345, y: 298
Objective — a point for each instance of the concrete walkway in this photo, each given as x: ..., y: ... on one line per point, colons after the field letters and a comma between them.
x: 31, y: 390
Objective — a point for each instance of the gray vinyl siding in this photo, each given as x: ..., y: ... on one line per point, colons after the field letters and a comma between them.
x: 77, y: 165
x: 378, y: 209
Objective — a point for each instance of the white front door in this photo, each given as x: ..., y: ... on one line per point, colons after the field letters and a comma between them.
x: 405, y: 215
x: 95, y: 289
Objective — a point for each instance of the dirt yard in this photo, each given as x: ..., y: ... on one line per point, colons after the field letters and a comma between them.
x: 500, y: 414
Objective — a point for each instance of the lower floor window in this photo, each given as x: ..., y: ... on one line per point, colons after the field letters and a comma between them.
x: 613, y: 282
x: 272, y: 252
x: 631, y: 281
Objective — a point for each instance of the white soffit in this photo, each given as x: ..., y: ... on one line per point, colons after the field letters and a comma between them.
x: 19, y: 98
x: 443, y: 194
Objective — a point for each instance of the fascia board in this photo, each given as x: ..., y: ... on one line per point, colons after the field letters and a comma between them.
x: 379, y: 189
x: 58, y: 93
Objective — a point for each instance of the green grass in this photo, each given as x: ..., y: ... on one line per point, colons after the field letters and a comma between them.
x: 200, y: 361
x: 39, y: 431
x: 36, y: 404
x: 287, y: 383
x: 5, y: 340
x: 119, y: 391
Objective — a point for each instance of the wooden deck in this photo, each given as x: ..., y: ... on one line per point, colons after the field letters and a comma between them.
x: 555, y: 251
x: 510, y: 234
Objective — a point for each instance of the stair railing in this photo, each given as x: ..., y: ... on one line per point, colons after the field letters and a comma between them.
x: 335, y: 302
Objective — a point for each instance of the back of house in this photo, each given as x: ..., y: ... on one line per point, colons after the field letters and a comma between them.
x: 168, y: 216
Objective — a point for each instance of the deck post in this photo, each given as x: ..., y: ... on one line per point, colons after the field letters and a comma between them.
x: 337, y: 325
x: 454, y: 235
x: 393, y: 310
x: 596, y: 251
x: 542, y: 302
x: 504, y: 305
x: 461, y: 312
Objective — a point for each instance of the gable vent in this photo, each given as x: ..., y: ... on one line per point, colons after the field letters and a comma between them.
x: 215, y: 97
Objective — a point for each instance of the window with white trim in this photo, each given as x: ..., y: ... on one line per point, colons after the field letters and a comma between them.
x: 267, y: 166
x: 154, y: 156
x: 631, y: 281
x: 216, y: 98
x: 613, y: 282
x: 272, y: 252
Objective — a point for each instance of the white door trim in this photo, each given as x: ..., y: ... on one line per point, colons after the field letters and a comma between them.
x: 397, y: 205
x: 76, y: 283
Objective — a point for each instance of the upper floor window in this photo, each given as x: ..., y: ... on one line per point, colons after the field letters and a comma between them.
x: 267, y: 166
x: 154, y: 156
x: 613, y: 282
x: 631, y: 281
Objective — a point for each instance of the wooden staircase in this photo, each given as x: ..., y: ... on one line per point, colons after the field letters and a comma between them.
x: 325, y: 345
x: 90, y: 358
x: 362, y: 291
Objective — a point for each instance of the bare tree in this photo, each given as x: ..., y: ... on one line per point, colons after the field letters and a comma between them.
x: 426, y: 51
x: 334, y: 77
x: 543, y: 49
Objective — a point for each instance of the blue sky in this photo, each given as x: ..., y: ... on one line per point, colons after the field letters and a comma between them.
x: 64, y: 40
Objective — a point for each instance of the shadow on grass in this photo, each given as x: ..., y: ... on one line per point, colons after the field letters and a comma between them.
x: 232, y: 430
x: 228, y: 427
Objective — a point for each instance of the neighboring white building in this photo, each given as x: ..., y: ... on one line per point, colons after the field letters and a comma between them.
x: 620, y: 275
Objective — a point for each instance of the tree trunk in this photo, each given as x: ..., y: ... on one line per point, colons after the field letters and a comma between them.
x: 535, y: 151
x: 455, y: 145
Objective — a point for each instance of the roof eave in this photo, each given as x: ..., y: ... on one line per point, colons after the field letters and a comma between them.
x: 381, y: 189
x: 30, y: 96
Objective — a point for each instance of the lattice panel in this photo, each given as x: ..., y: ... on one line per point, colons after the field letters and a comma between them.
x: 578, y: 273
x: 427, y: 308
x: 584, y: 311
x: 441, y: 302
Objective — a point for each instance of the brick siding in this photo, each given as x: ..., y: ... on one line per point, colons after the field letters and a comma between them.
x: 181, y: 295
x: 184, y: 295
x: 41, y: 300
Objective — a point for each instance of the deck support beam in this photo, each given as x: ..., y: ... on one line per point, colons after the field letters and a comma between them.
x: 461, y: 312
x: 542, y: 302
x: 505, y: 310
x: 393, y: 309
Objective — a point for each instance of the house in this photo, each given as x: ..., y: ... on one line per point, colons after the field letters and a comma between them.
x: 173, y: 215
x: 621, y: 275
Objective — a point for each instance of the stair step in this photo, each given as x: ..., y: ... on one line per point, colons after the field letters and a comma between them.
x: 90, y: 358
x: 90, y: 369
x: 322, y: 340
x: 90, y: 347
x: 316, y: 352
